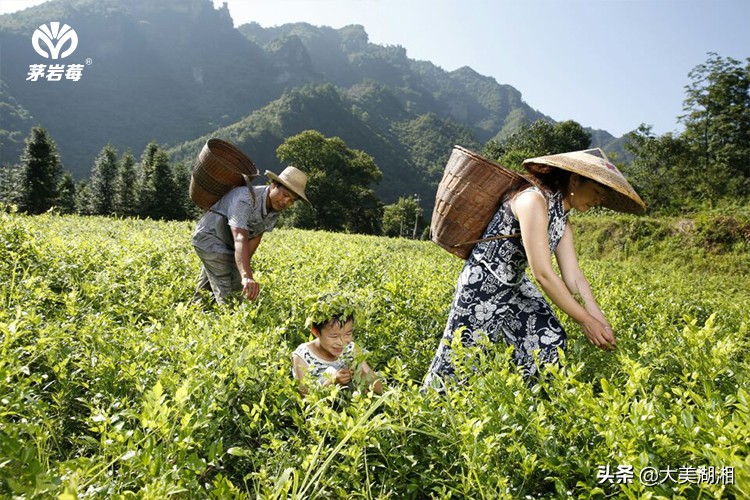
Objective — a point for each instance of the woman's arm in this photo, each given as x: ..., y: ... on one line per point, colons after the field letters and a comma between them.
x: 574, y: 278
x: 530, y: 208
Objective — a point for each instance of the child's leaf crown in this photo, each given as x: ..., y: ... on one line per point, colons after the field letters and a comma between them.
x: 326, y: 306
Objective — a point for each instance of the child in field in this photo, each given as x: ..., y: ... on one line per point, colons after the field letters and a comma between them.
x: 332, y: 358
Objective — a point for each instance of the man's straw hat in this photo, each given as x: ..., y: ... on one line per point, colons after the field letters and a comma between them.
x: 594, y: 164
x: 293, y: 179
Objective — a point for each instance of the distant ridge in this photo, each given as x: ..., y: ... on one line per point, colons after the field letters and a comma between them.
x: 177, y: 71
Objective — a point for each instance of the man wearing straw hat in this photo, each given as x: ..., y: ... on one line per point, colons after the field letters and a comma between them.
x: 494, y: 297
x: 229, y: 233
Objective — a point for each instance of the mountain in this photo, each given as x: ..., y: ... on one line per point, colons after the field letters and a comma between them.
x: 411, y: 151
x: 158, y: 70
x: 178, y: 72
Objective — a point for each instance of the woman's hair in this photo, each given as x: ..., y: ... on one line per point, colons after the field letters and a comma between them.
x: 549, y: 178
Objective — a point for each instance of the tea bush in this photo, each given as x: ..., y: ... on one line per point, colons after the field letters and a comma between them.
x: 114, y: 386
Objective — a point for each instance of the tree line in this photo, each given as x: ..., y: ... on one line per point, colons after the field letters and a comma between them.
x: 118, y: 185
x: 339, y: 185
x: 706, y: 165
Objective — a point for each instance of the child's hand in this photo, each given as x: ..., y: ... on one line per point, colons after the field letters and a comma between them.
x: 343, y: 376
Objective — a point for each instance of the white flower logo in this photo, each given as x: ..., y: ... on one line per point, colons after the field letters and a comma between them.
x: 55, y: 38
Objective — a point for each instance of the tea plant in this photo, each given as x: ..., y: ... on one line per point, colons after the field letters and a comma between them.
x: 114, y: 386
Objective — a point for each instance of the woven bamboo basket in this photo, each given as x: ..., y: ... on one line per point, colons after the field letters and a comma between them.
x: 219, y: 168
x: 467, y: 197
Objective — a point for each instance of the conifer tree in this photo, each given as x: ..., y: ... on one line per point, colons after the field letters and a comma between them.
x: 166, y: 206
x: 82, y: 198
x: 127, y: 186
x: 66, y: 194
x: 157, y: 187
x: 186, y: 209
x: 41, y: 172
x: 147, y: 194
x: 103, y: 183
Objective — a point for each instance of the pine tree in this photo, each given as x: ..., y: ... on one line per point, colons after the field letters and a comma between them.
x: 82, y: 198
x: 147, y: 194
x: 127, y: 187
x: 186, y: 208
x: 66, y: 194
x: 167, y: 205
x: 41, y: 172
x: 103, y: 184
x: 157, y: 196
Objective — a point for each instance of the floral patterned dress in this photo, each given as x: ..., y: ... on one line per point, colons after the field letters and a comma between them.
x: 495, y: 298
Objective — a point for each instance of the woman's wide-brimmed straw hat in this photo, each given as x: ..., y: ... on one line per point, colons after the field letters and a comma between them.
x: 291, y: 178
x: 594, y: 164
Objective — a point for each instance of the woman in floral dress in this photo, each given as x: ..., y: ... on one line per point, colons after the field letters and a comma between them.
x: 496, y: 299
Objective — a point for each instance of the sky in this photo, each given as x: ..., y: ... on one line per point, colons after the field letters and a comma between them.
x: 607, y: 64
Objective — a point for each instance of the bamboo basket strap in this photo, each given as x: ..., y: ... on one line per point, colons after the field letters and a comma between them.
x: 491, y: 238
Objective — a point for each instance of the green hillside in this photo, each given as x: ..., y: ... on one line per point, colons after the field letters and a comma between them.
x: 410, y: 151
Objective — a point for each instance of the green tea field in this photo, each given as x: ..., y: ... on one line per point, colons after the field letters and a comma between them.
x: 113, y: 386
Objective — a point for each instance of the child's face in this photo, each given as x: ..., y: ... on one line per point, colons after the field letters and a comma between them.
x: 334, y: 337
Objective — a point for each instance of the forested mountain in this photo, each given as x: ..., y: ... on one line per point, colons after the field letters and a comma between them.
x: 411, y: 151
x: 178, y: 72
x: 167, y: 71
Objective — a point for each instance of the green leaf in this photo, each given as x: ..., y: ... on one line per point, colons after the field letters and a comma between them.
x: 238, y: 452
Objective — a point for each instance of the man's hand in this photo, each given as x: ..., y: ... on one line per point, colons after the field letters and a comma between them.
x: 250, y: 288
x: 244, y: 248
